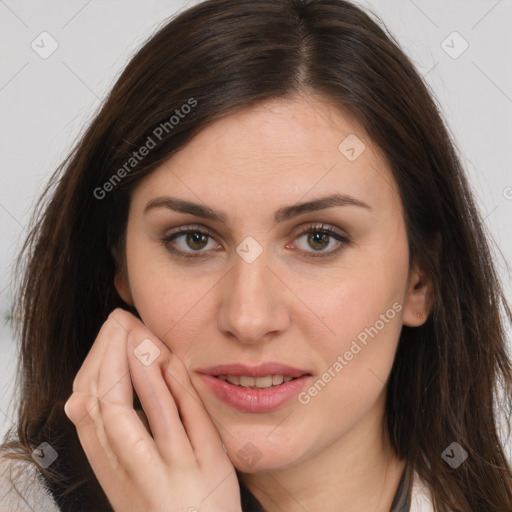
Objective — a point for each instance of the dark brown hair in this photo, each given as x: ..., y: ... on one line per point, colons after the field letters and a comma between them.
x: 226, y: 55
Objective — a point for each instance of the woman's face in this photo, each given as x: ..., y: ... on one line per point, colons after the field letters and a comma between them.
x: 259, y: 290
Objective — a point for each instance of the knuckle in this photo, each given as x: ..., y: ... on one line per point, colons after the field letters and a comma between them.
x: 121, y: 319
x: 116, y: 315
x: 78, y: 406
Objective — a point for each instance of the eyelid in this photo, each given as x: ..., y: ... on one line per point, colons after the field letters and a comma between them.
x: 319, y: 226
x: 332, y: 231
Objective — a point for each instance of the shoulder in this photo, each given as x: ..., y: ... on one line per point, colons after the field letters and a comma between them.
x: 421, y: 500
x: 22, y: 488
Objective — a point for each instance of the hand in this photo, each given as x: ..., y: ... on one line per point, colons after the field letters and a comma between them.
x: 182, y: 466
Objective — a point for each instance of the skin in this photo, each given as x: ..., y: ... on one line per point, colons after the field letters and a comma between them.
x: 170, y: 463
x: 285, y: 306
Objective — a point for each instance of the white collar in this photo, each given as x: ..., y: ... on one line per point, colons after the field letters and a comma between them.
x: 420, y: 496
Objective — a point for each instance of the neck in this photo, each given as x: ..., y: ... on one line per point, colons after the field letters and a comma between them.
x: 359, y: 471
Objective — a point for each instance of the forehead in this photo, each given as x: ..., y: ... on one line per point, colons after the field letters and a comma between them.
x: 275, y: 152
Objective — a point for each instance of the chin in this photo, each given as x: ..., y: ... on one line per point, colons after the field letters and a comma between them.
x: 254, y: 457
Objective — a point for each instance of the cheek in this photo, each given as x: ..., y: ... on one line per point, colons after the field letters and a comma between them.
x: 357, y: 303
x: 362, y: 297
x: 364, y: 316
x: 174, y: 307
x: 356, y: 361
x: 169, y: 302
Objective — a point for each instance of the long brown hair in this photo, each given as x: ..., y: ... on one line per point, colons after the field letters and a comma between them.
x: 224, y: 55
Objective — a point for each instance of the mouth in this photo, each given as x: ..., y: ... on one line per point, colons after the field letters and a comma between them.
x: 263, y: 375
x: 262, y: 388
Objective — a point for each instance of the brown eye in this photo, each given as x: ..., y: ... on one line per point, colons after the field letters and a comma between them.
x: 191, y: 241
x: 196, y: 241
x: 319, y: 238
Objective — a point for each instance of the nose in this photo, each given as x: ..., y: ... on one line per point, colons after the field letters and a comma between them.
x: 254, y: 305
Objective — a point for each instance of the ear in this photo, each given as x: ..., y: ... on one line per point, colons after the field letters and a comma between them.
x: 419, y: 299
x: 121, y: 283
x: 123, y: 288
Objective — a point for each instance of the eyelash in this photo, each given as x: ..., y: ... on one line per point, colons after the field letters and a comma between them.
x: 323, y: 229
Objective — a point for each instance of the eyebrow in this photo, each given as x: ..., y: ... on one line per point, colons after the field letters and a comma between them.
x: 281, y: 215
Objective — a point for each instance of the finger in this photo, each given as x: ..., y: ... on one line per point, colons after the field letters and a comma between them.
x: 86, y: 379
x: 83, y: 410
x: 124, y: 431
x: 201, y: 431
x: 105, y: 464
x: 84, y: 403
x: 146, y: 356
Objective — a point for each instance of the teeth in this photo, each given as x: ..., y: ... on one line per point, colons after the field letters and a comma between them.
x: 255, y: 382
x: 233, y: 379
x: 247, y: 382
x: 277, y: 379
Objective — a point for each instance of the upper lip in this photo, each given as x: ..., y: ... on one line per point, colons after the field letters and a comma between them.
x: 261, y: 370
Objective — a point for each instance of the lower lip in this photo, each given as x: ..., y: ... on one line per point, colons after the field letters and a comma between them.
x: 255, y: 400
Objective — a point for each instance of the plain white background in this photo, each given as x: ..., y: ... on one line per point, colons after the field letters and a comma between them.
x: 45, y: 103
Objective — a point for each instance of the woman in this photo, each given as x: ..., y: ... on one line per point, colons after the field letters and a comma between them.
x: 267, y: 233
